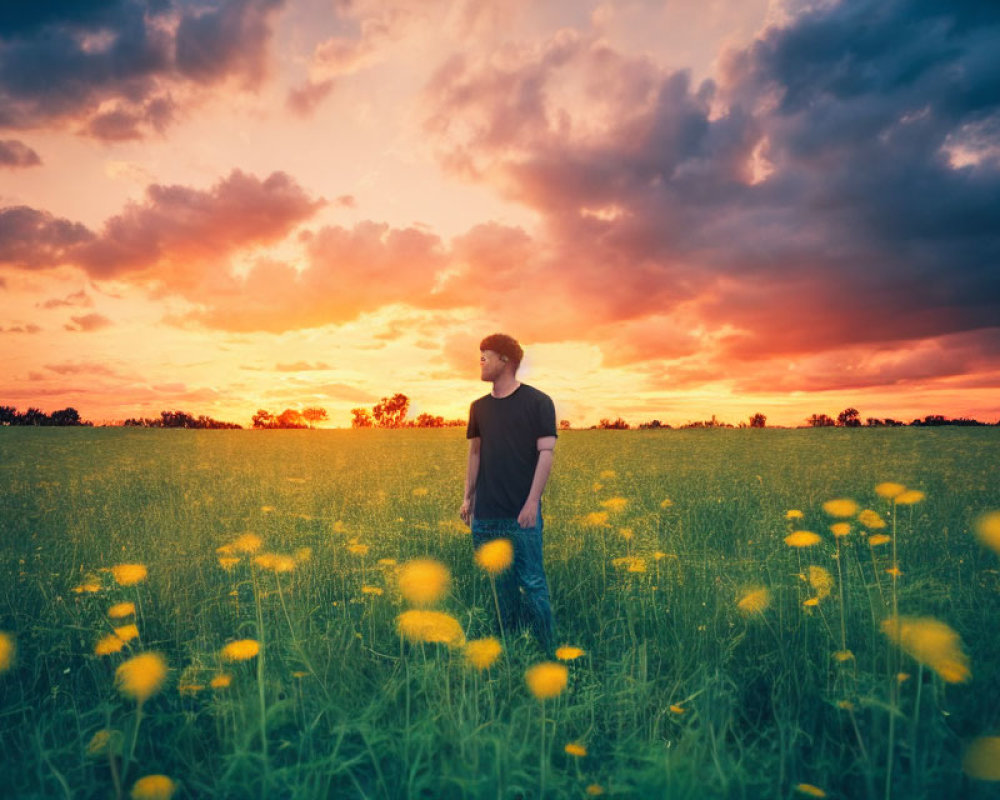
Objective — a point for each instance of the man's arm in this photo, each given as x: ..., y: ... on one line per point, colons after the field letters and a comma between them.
x: 471, y: 474
x: 528, y: 517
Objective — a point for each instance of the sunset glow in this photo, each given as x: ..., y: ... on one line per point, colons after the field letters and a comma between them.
x: 681, y: 209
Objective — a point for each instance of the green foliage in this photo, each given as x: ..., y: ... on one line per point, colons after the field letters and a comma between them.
x: 678, y: 695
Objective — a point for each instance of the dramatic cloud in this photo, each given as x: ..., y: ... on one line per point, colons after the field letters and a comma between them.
x: 36, y: 239
x: 113, y: 65
x: 88, y: 323
x: 14, y: 153
x: 80, y: 299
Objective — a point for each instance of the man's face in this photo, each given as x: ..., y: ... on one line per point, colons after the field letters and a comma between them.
x: 491, y: 365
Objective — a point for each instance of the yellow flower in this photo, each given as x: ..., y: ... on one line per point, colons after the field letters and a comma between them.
x: 987, y: 527
x: 435, y: 627
x: 423, y: 581
x: 357, y: 549
x: 190, y: 688
x: 568, y: 652
x: 615, y: 503
x: 482, y: 653
x: 127, y: 632
x: 871, y: 520
x: 221, y: 681
x: 932, y: 643
x: 595, y: 519
x: 894, y: 571
x: 105, y: 741
x: 982, y: 759
x: 119, y: 610
x: 225, y: 550
x: 755, y: 601
x: 547, y: 679
x: 889, y: 490
x: 275, y: 562
x: 676, y: 709
x: 303, y: 554
x: 793, y: 514
x: 247, y: 543
x: 666, y: 503
x: 495, y: 555
x: 372, y: 590
x: 594, y: 790
x: 7, y: 650
x: 386, y: 562
x: 821, y: 580
x: 637, y: 564
x: 845, y: 705
x: 607, y: 475
x: 575, y: 749
x: 107, y: 645
x: 878, y: 538
x: 812, y: 601
x: 129, y: 574
x: 902, y: 677
x: 840, y: 529
x: 843, y: 655
x: 240, y: 650
x: 153, y: 787
x: 809, y: 789
x: 87, y: 587
x: 626, y: 533
x: 267, y: 509
x: 141, y: 676
x: 909, y: 497
x: 802, y: 539
x: 841, y: 507
x: 420, y: 491
x: 228, y: 562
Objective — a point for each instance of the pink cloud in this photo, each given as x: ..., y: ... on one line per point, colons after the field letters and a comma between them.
x: 88, y: 323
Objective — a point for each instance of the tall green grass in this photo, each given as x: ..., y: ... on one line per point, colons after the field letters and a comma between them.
x: 679, y: 694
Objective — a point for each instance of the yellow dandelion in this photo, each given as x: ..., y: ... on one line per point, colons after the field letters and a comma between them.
x: 7, y: 650
x: 575, y: 749
x: 339, y: 527
x: 594, y: 790
x: 482, y: 653
x: 895, y: 572
x: 228, y: 562
x: 658, y: 555
x: 119, y: 610
x: 841, y: 507
x: 845, y: 705
x: 375, y: 591
x: 225, y: 550
x: 802, y: 539
x: 932, y: 643
x: 607, y: 475
x: 678, y: 710
x: 636, y: 564
x: 889, y: 490
x: 809, y: 790
x: 626, y: 533
x: 840, y: 529
x: 221, y: 681
x: 129, y: 574
x: 303, y: 554
x: 357, y: 549
x: 386, y: 562
x: 546, y: 680
x: 127, y: 632
x: 821, y: 580
x: 141, y: 676
x: 105, y: 741
x: 982, y: 759
x: 190, y: 688
x: 615, y: 504
x: 420, y: 491
x: 275, y: 562
x: 569, y: 653
x: 153, y: 787
x: 987, y: 528
x: 812, y: 601
x: 423, y: 581
x: 299, y: 674
x: 240, y: 650
x: 666, y: 502
x: 87, y: 587
x: 597, y: 486
x: 902, y: 677
x: 434, y: 627
x: 247, y: 543
x: 495, y: 555
x: 266, y: 509
x: 879, y: 539
x: 793, y: 514
x: 107, y: 645
x: 840, y: 656
x: 909, y: 497
x: 595, y: 519
x: 755, y: 601
x: 871, y: 520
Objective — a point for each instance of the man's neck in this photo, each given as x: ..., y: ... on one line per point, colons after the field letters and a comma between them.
x: 504, y: 386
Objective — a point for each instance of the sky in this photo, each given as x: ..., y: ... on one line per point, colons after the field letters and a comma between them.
x: 681, y: 209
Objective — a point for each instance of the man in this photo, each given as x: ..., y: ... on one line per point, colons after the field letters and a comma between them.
x: 511, y: 433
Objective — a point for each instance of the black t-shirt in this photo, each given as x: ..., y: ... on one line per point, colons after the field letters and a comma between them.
x: 508, y: 429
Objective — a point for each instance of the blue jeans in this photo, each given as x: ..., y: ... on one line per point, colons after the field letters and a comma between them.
x: 522, y: 591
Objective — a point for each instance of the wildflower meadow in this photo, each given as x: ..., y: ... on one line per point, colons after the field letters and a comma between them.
x: 299, y: 614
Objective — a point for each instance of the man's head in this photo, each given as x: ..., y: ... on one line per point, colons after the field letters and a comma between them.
x: 498, y: 351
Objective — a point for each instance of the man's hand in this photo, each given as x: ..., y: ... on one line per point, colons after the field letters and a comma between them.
x: 465, y: 512
x: 528, y: 517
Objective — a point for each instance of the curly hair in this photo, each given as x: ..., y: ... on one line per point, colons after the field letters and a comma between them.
x: 505, y: 345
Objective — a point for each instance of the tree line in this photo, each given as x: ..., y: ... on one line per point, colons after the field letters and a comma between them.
x: 848, y: 418
x: 390, y: 412
x: 179, y: 419
x: 9, y: 415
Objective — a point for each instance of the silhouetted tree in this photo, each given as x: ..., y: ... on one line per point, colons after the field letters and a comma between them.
x: 66, y: 416
x: 263, y: 419
x: 849, y: 418
x: 33, y: 416
x: 821, y: 421
x: 312, y: 415
x: 564, y: 424
x: 618, y: 425
x: 426, y: 420
x: 8, y: 415
x: 290, y: 418
x: 654, y: 424
x: 758, y: 420
x: 361, y: 418
x: 391, y: 411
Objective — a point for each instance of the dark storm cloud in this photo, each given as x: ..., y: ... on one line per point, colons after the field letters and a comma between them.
x: 36, y: 239
x: 64, y: 60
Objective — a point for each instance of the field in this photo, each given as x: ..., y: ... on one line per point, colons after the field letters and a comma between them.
x: 718, y: 660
